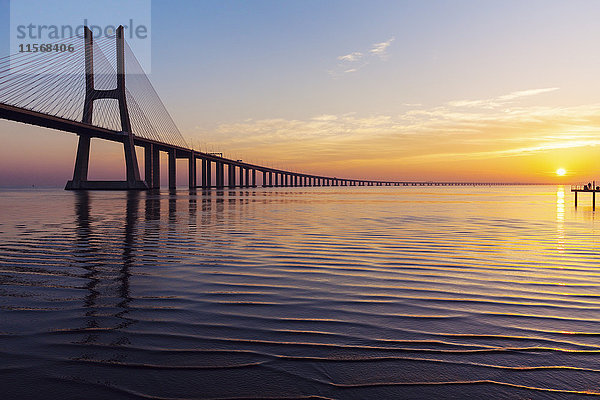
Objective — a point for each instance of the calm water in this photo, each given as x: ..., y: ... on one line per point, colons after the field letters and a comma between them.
x: 357, y: 293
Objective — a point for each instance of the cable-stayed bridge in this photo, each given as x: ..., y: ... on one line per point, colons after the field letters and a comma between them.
x: 97, y: 89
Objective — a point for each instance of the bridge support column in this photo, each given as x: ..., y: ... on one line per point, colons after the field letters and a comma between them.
x: 247, y: 177
x: 218, y: 175
x: 253, y: 178
x: 208, y: 174
x: 220, y: 169
x: 155, y: 168
x: 149, y: 165
x: 82, y: 161
x: 231, y: 170
x: 204, y: 184
x: 222, y: 175
x: 192, y: 171
x: 172, y: 169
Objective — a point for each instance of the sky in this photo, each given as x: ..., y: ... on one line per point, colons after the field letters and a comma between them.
x: 449, y: 90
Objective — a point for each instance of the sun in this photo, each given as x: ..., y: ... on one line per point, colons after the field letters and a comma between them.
x: 561, y: 172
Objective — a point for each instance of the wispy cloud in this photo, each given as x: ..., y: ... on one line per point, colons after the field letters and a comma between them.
x: 380, y: 49
x: 501, y: 100
x: 355, y: 61
x: 351, y: 57
x: 525, y: 93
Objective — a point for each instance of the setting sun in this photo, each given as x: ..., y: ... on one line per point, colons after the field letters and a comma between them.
x: 561, y: 172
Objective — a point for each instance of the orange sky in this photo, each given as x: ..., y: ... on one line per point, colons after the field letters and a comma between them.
x: 399, y: 90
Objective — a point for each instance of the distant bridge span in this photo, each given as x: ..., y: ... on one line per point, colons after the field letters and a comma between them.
x: 137, y: 131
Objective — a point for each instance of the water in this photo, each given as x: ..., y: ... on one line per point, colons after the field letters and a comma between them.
x: 367, y: 292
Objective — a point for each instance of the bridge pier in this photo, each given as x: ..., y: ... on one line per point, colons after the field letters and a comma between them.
x: 82, y: 161
x: 208, y: 173
x: 220, y: 169
x: 152, y: 166
x: 172, y: 169
x: 216, y: 174
x: 192, y: 171
x: 203, y: 175
x: 231, y: 169
x: 80, y: 173
x: 155, y: 168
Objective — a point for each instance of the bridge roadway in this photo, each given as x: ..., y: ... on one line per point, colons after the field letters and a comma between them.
x: 246, y: 172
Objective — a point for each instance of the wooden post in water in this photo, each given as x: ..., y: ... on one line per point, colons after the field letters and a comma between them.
x: 594, y: 195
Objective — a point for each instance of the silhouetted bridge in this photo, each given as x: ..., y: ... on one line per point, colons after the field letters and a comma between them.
x: 84, y: 92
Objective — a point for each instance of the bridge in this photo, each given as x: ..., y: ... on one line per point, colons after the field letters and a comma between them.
x: 81, y: 88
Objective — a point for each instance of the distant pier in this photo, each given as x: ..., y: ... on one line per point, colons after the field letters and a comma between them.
x: 589, y: 188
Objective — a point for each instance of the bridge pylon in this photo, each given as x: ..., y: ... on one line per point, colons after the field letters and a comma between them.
x: 80, y: 174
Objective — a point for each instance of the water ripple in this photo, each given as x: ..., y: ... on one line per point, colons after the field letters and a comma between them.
x: 324, y: 293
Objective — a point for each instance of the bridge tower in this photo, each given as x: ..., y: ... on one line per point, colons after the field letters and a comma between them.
x: 80, y: 173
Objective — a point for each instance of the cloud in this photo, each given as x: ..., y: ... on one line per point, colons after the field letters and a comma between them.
x: 501, y: 100
x: 351, y: 57
x: 380, y: 49
x: 357, y: 60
